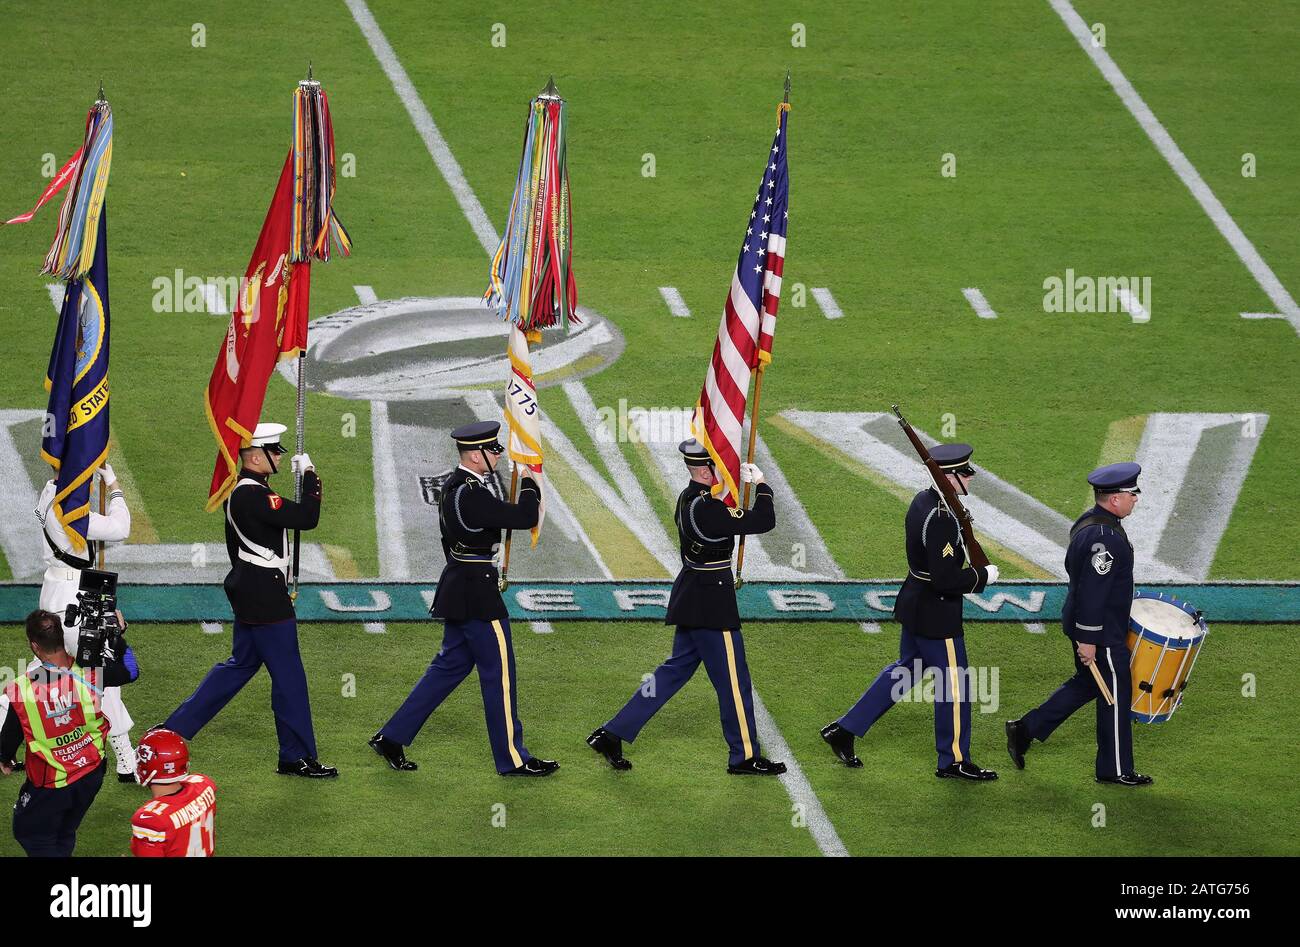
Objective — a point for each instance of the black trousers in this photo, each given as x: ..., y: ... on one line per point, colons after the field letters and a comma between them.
x: 46, y: 820
x: 1114, y: 723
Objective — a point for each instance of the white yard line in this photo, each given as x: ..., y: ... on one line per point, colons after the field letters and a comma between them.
x: 676, y: 305
x: 1190, y: 177
x: 979, y: 303
x: 390, y: 536
x: 423, y: 122
x: 366, y: 294
x: 870, y: 627
x: 213, y: 300
x: 210, y: 627
x: 796, y: 785
x: 374, y: 627
x: 830, y: 308
x: 1132, y: 306
x: 56, y: 291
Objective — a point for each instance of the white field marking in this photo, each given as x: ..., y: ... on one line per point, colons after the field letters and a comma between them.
x: 366, y: 294
x: 1262, y: 315
x: 1170, y: 151
x: 423, y: 122
x: 210, y: 627
x: 1132, y: 306
x: 676, y: 305
x: 541, y: 627
x: 635, y: 512
x: 979, y: 303
x: 796, y: 784
x: 1035, y: 627
x: 56, y: 291
x: 830, y: 308
x: 827, y: 840
x: 389, y: 532
x: 1168, y: 453
x: 374, y: 627
x: 19, y: 536
x: 213, y: 300
x: 870, y: 627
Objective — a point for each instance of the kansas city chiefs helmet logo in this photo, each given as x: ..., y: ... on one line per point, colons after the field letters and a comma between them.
x: 144, y: 754
x: 1101, y: 559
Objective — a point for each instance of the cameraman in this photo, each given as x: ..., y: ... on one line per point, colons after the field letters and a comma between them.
x: 55, y: 710
x: 59, y: 590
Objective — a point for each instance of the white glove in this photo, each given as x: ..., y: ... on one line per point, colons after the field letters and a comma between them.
x: 300, y: 464
x: 106, y: 474
x: 750, y: 474
x: 992, y: 572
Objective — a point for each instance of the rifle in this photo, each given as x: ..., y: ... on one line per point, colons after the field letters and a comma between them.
x: 974, y: 551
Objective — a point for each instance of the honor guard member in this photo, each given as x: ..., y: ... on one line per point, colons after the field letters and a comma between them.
x: 1099, y: 562
x: 929, y: 608
x: 63, y: 579
x: 476, y: 625
x: 703, y: 607
x: 265, y: 630
x: 54, y: 710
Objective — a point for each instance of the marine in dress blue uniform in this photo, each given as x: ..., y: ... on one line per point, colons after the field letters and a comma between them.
x: 929, y: 609
x: 266, y: 630
x: 1095, y: 618
x: 702, y: 606
x: 476, y: 625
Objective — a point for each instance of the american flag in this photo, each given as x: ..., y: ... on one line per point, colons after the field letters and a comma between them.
x: 748, y: 321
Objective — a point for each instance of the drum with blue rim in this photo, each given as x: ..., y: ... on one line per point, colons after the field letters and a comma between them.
x: 1164, y: 641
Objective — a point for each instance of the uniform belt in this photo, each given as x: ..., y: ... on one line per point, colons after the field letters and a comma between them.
x: 922, y: 576
x: 471, y: 557
x: 279, y: 562
x: 716, y: 565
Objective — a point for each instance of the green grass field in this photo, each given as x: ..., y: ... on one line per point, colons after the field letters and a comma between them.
x: 1052, y: 173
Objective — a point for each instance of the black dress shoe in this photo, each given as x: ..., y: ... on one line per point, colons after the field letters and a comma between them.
x: 841, y: 744
x: 757, y: 766
x: 966, y: 770
x: 1127, y: 779
x: 1017, y: 742
x: 534, y: 767
x: 392, y: 751
x: 608, y: 746
x: 126, y: 777
x: 308, y: 766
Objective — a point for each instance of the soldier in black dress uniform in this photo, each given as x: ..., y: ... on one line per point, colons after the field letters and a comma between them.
x: 266, y: 630
x: 475, y: 621
x: 929, y: 608
x: 703, y: 607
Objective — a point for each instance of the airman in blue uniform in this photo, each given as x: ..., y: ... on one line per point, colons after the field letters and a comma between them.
x: 1095, y: 618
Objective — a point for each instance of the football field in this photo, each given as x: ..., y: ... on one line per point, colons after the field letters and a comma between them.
x: 969, y: 185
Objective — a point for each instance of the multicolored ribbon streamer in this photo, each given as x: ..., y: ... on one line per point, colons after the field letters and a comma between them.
x: 73, y: 250
x: 315, y: 225
x: 531, y: 278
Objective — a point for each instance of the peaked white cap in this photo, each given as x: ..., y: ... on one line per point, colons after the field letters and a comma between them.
x: 267, y: 433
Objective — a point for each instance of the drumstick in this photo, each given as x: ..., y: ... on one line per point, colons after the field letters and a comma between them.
x: 1096, y: 676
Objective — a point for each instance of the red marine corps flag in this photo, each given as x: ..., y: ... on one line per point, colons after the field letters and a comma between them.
x: 744, y: 342
x: 270, y: 318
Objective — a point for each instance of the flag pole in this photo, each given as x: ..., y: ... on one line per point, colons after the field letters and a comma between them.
x: 758, y: 395
x: 301, y: 416
x: 753, y: 440
x: 103, y: 487
x: 504, y: 582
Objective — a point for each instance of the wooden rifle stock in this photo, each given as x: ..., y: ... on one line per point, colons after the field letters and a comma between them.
x: 974, y: 551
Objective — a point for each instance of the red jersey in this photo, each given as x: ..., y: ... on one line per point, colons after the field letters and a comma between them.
x: 177, y: 825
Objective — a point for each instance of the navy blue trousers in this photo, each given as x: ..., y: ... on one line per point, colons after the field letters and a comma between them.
x: 723, y: 654
x: 276, y: 646
x: 467, y: 644
x: 951, y: 694
x: 46, y: 820
x: 1114, y: 724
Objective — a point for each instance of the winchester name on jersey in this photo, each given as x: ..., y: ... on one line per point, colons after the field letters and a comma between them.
x: 178, y: 825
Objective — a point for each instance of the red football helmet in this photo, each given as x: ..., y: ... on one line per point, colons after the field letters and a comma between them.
x: 162, y: 757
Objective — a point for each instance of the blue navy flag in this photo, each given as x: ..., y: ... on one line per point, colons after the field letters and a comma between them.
x: 74, y: 440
